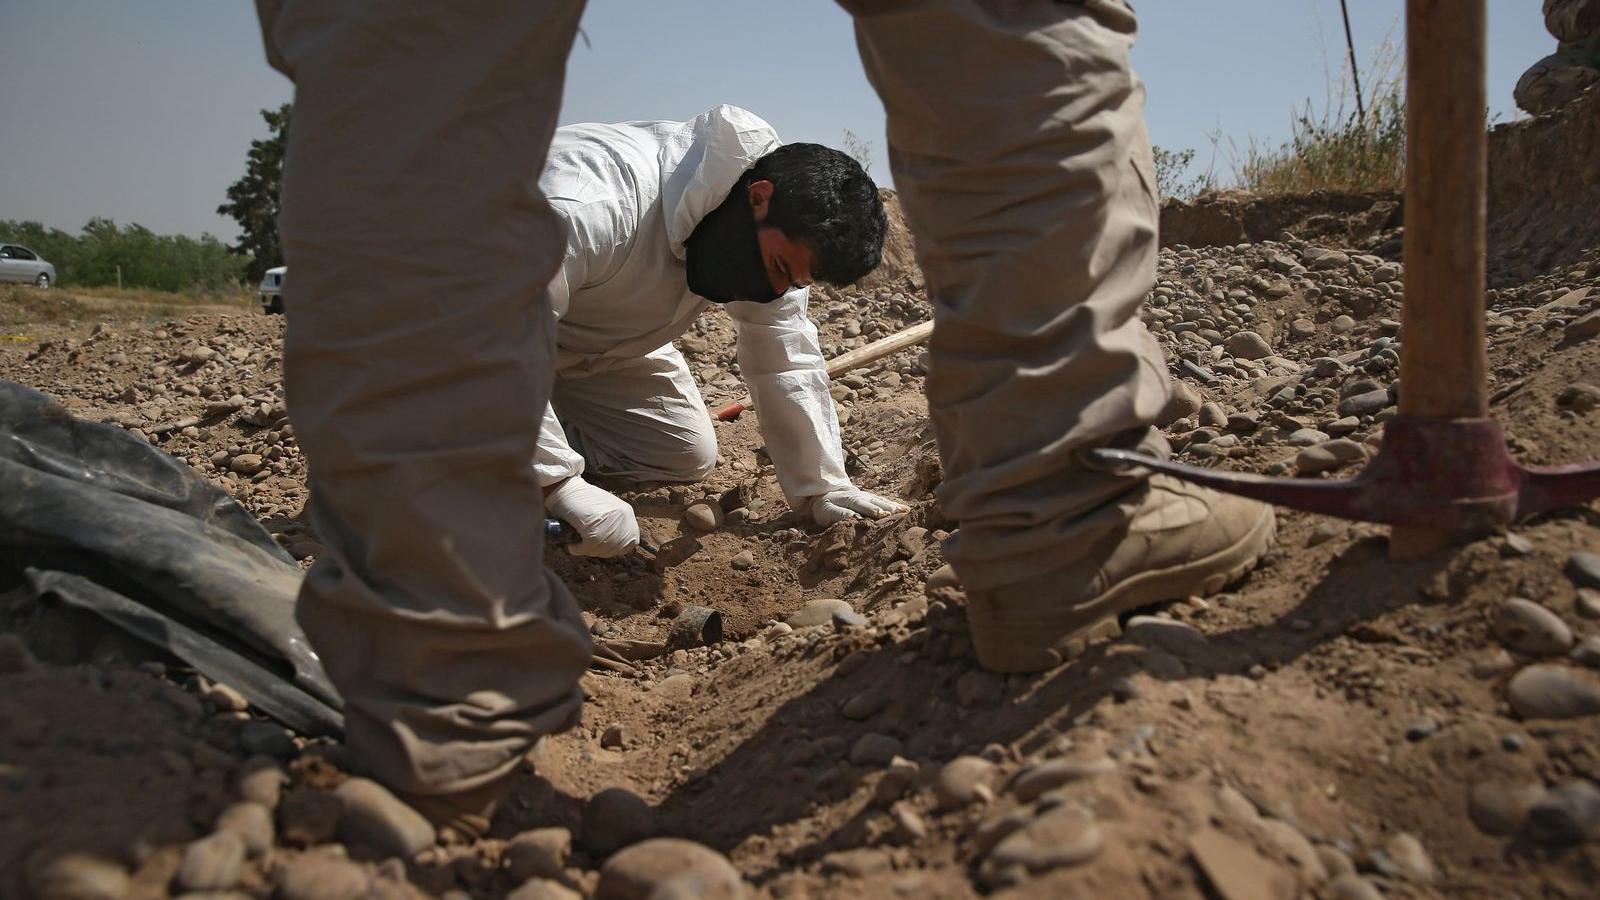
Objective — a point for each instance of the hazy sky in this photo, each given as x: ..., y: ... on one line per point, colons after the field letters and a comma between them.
x: 142, y: 110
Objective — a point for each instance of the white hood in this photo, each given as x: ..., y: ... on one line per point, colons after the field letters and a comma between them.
x: 701, y: 160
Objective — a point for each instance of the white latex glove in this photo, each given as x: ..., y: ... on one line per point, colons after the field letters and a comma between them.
x: 604, y: 521
x: 836, y: 506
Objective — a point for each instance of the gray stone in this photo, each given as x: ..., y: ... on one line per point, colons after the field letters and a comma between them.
x: 266, y: 739
x: 373, y: 818
x: 818, y: 612
x: 251, y: 823
x: 1248, y: 345
x: 1163, y: 634
x: 1527, y: 627
x: 1584, y: 569
x: 211, y: 864
x: 1184, y: 401
x: 1588, y: 603
x: 964, y: 781
x: 1030, y: 783
x: 320, y: 876
x: 1328, y: 455
x: 741, y: 561
x: 1553, y: 692
x: 1064, y: 836
x: 615, y: 818
x: 1322, y: 258
x: 1500, y: 807
x: 1306, y: 437
x: 1302, y: 328
x: 874, y: 750
x: 1422, y: 728
x: 1583, y: 327
x: 1566, y: 814
x: 1213, y: 415
x: 1366, y: 404
x: 669, y: 867
x: 540, y: 853
x: 1342, y: 324
x: 1343, y: 426
x: 1324, y: 532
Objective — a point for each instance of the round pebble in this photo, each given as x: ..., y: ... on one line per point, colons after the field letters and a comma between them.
x: 819, y: 612
x: 212, y: 863
x: 874, y: 750
x: 1527, y: 627
x: 1566, y: 814
x: 964, y: 781
x: 1051, y: 774
x: 1553, y: 692
x: 251, y: 823
x: 319, y: 876
x: 77, y: 876
x: 1064, y: 836
x: 373, y: 818
x: 663, y: 867
x: 540, y: 853
x: 615, y: 818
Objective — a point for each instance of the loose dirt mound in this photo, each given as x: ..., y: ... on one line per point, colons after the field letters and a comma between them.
x: 1334, y: 726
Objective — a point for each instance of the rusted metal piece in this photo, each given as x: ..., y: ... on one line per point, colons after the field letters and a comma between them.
x: 1447, y: 474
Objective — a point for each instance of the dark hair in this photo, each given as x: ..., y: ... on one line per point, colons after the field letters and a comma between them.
x: 822, y: 196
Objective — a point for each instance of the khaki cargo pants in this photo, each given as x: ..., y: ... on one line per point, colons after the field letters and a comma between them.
x: 419, y: 347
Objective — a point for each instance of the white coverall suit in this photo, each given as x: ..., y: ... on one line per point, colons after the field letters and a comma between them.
x: 417, y: 379
x: 628, y: 197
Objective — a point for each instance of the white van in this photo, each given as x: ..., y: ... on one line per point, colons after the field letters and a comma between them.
x: 272, y: 290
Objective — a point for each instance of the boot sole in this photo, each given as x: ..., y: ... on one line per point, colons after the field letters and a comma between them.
x: 1030, y: 647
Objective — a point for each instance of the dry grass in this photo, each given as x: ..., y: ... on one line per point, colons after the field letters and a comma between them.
x: 23, y: 308
x: 1338, y: 148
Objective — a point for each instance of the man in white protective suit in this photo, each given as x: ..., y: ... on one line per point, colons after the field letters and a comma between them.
x: 662, y: 219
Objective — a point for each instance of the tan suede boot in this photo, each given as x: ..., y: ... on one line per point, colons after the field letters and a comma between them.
x: 1183, y: 540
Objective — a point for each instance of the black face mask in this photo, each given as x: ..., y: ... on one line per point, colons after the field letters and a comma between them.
x: 723, y: 258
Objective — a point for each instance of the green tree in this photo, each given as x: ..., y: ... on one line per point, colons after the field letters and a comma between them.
x: 253, y: 199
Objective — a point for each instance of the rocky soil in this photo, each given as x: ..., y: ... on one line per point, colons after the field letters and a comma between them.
x: 1337, y: 725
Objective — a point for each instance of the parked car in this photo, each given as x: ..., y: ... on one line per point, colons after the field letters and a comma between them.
x: 272, y: 290
x: 18, y: 263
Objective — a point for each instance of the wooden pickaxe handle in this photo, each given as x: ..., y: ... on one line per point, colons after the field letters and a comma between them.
x: 844, y: 362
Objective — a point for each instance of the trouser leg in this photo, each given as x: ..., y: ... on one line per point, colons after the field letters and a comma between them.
x: 1018, y: 145
x: 643, y: 420
x: 420, y: 247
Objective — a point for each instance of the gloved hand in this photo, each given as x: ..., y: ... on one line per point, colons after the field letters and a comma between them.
x: 836, y: 506
x: 602, y: 519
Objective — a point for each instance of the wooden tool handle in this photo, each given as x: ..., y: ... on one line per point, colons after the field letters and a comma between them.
x: 1444, y: 358
x: 844, y: 362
